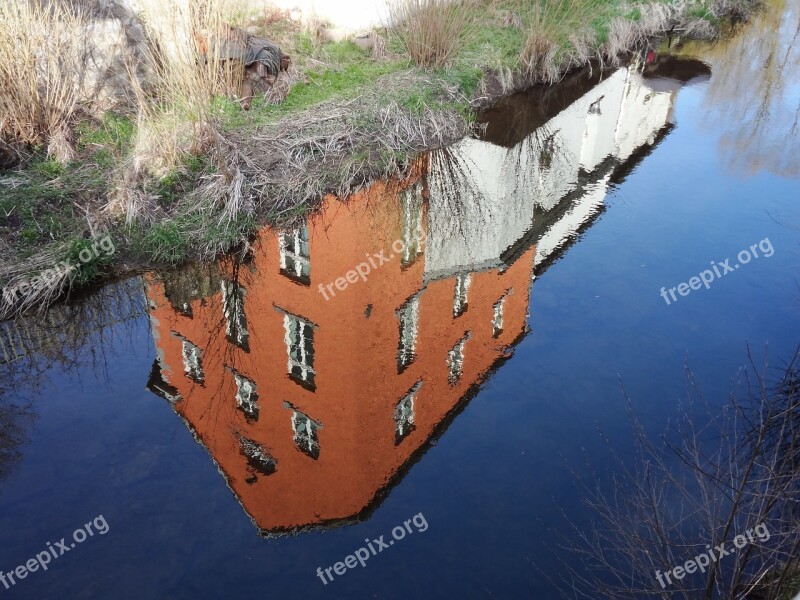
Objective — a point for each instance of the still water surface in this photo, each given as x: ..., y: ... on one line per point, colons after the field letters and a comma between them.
x: 446, y: 347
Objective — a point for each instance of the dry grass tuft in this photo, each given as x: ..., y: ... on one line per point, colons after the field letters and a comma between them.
x: 42, y: 65
x: 189, y: 42
x: 432, y: 31
x: 39, y: 297
x: 333, y: 148
x: 559, y: 36
x: 228, y: 190
x: 657, y: 18
x: 188, y: 39
x: 277, y: 92
x: 624, y: 34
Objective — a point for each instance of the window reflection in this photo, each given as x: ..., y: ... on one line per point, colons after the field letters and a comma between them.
x: 404, y: 415
x: 411, y: 207
x: 460, y: 295
x: 294, y: 255
x: 455, y: 361
x: 192, y: 361
x: 409, y: 321
x: 305, y: 434
x: 233, y: 309
x: 299, y: 341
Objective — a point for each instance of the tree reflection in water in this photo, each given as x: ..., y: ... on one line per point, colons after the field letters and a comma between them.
x: 750, y: 95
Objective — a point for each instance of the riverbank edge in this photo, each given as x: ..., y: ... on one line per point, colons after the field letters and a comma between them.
x: 274, y: 174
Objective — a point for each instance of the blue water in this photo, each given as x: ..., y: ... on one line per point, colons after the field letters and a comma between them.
x: 498, y: 489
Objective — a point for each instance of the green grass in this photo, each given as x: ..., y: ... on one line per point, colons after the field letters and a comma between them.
x: 181, y: 180
x: 90, y: 269
x: 701, y: 11
x: 42, y: 207
x: 162, y: 243
x: 465, y: 76
x: 492, y: 46
x: 333, y: 83
x: 176, y: 240
x: 349, y: 71
x: 113, y: 133
x: 417, y: 98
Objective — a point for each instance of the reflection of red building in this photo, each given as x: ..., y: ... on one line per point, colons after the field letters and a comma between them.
x: 314, y: 390
x: 311, y: 407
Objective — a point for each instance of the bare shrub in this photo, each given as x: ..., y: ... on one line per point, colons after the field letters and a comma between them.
x: 431, y: 30
x: 721, y: 472
x: 42, y: 65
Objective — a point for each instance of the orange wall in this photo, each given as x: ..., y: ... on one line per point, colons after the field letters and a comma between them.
x: 357, y: 380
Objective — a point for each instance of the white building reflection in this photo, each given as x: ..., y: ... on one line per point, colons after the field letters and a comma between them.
x: 544, y: 188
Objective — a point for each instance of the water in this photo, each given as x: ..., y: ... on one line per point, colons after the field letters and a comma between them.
x: 239, y: 425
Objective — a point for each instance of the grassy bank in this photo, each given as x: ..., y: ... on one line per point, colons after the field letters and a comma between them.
x: 185, y: 173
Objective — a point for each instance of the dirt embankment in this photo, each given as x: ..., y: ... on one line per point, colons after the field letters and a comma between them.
x: 358, y: 117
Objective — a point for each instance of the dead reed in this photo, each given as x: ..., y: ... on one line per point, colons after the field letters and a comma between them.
x: 42, y: 64
x: 432, y: 31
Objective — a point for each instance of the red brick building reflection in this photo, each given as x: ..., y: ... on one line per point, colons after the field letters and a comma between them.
x: 312, y: 407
